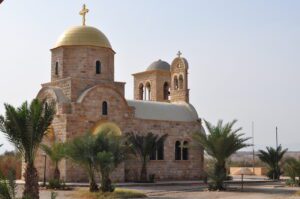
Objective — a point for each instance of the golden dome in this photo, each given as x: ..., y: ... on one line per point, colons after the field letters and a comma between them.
x: 83, y: 36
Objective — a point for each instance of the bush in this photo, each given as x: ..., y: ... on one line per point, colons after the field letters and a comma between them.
x: 53, y: 195
x: 8, y: 186
x: 152, y: 178
x: 56, y: 184
x: 291, y: 182
x: 292, y: 169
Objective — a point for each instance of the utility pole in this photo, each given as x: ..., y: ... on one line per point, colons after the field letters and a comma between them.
x: 276, y: 137
x: 253, y: 150
x: 276, y: 154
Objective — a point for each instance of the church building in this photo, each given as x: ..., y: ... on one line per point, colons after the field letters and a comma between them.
x: 88, y: 98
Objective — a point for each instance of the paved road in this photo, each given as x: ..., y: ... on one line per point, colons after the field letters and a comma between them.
x: 251, y: 191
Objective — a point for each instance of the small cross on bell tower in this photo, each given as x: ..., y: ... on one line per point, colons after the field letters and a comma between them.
x: 179, y: 54
x: 83, y: 12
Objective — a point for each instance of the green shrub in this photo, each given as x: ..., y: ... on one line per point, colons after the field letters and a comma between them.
x: 56, y: 184
x: 292, y: 169
x: 53, y: 195
x: 152, y: 178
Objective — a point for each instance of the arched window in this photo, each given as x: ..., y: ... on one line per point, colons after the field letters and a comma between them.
x: 177, y: 150
x: 160, y: 151
x: 104, y: 108
x: 166, y: 91
x: 148, y: 91
x: 141, y: 92
x: 98, y: 67
x: 185, y: 150
x: 180, y: 82
x: 175, y: 83
x: 56, y: 68
x: 153, y: 154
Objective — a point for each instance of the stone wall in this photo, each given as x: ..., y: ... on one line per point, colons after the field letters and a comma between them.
x: 169, y: 168
x: 80, y: 62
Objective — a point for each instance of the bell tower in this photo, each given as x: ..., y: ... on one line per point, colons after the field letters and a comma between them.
x: 179, y: 79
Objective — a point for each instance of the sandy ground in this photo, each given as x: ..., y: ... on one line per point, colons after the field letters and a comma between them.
x: 254, y: 191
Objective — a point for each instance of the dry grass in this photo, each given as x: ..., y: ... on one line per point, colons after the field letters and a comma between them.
x: 297, y: 193
x: 118, y: 193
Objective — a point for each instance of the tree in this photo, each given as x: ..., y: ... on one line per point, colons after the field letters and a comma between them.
x: 102, y: 152
x: 292, y: 169
x: 272, y: 158
x: 220, y: 143
x: 25, y: 127
x: 56, y: 153
x: 111, y: 152
x: 143, y: 146
x: 83, y: 150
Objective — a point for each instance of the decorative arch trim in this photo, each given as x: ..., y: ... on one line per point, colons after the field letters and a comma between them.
x: 104, y: 125
x: 87, y: 91
x: 56, y: 93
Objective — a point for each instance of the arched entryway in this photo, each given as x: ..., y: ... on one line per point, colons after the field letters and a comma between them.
x: 107, y: 127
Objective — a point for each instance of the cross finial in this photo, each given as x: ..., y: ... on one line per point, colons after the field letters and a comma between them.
x: 83, y: 12
x: 179, y: 53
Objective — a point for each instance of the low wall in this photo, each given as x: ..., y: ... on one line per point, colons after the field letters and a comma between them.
x: 258, y: 171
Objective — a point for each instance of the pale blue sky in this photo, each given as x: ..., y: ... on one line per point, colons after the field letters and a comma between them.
x: 244, y: 55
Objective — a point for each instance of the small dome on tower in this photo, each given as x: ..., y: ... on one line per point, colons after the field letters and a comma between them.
x: 159, y: 65
x: 83, y: 36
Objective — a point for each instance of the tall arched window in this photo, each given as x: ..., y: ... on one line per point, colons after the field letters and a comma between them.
x: 166, y: 91
x: 141, y: 92
x: 180, y: 82
x: 153, y: 154
x: 104, y: 108
x: 147, y: 91
x: 175, y: 83
x: 160, y: 151
x: 56, y: 68
x: 98, y: 67
x: 185, y: 150
x: 177, y: 150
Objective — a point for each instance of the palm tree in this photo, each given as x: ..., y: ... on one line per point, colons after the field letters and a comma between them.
x: 292, y: 169
x: 56, y: 153
x: 111, y: 153
x: 143, y: 146
x: 83, y: 151
x: 272, y: 158
x: 220, y: 143
x: 25, y: 127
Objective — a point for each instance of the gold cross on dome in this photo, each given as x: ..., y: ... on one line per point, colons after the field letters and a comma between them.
x: 179, y: 53
x: 83, y: 12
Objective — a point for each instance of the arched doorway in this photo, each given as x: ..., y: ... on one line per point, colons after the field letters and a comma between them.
x: 106, y: 126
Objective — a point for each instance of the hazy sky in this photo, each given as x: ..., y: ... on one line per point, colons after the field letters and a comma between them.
x: 243, y: 55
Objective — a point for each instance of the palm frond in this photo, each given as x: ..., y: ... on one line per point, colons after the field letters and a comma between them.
x: 25, y: 126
